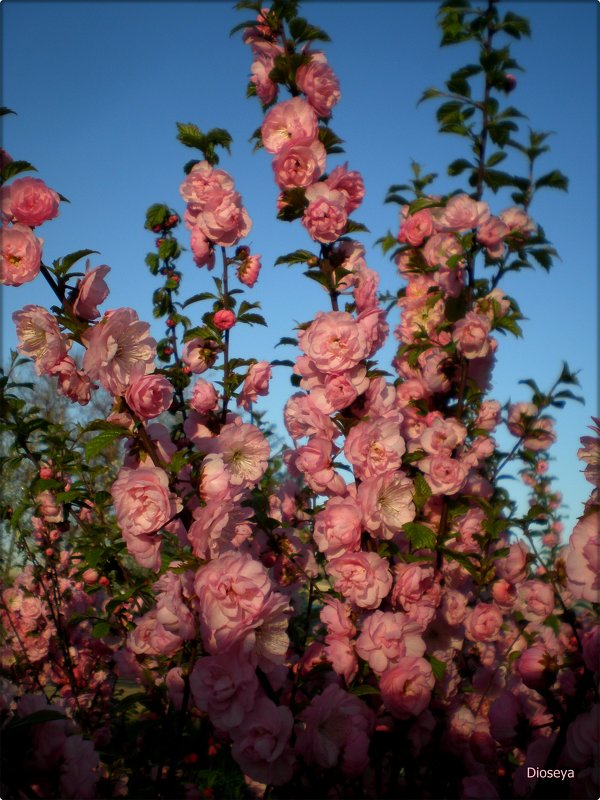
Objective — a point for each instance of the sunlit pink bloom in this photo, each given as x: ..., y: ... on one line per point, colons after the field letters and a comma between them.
x: 443, y: 436
x: 149, y: 395
x: 224, y: 220
x: 31, y: 202
x: 363, y: 578
x: 334, y: 341
x: 72, y: 382
x: 303, y: 418
x: 536, y: 600
x: 232, y: 591
x: 21, y: 255
x: 521, y: 418
x: 329, y: 728
x: 202, y: 250
x: 488, y: 416
x: 261, y: 743
x: 202, y: 181
x: 255, y: 384
x: 350, y: 184
x: 119, y: 349
x: 462, y: 213
x: 583, y: 559
x: 225, y: 686
x: 445, y: 475
x: 91, y: 292
x: 249, y: 270
x: 150, y: 636
x: 198, y: 356
x: 337, y: 528
x: 541, y: 435
x: 325, y: 216
x: 291, y: 120
x: 491, y: 234
x: 266, y: 89
x: 300, y: 162
x: 314, y: 461
x: 518, y: 222
x: 406, y: 687
x: 386, y: 502
x: 224, y: 319
x: 374, y: 447
x: 386, y: 637
x: 204, y: 397
x: 471, y: 335
x: 40, y: 338
x: 513, y: 567
x: 415, y: 228
x: 319, y: 83
x: 589, y: 452
x: 244, y: 451
x: 483, y: 623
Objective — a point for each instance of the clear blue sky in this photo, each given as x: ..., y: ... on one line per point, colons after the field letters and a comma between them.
x: 98, y: 87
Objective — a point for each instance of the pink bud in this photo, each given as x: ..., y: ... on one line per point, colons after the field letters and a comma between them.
x: 224, y: 319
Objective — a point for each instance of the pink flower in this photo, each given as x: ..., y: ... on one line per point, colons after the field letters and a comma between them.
x: 314, y: 460
x: 541, y: 436
x: 471, y: 335
x: 199, y: 355
x: 488, y: 416
x: 462, y: 213
x: 149, y: 395
x: 72, y: 382
x: 21, y: 255
x: 303, y: 418
x: 204, y: 397
x: 300, y: 162
x: 536, y: 600
x: 143, y: 504
x: 583, y: 559
x: 119, y: 349
x: 445, y: 475
x: 386, y: 502
x: 91, y: 292
x: 223, y: 219
x: 80, y: 769
x: 320, y: 85
x: 255, y: 384
x: 244, y: 450
x: 330, y: 725
x: 266, y: 90
x: 202, y: 249
x: 534, y: 667
x: 520, y: 225
x: 261, y: 743
x: 151, y: 637
x: 31, y: 202
x: 248, y: 270
x: 513, y: 567
x: 288, y: 121
x: 334, y: 341
x: 337, y: 528
x: 406, y: 688
x: 386, y: 637
x: 492, y: 234
x: 416, y: 228
x: 521, y: 418
x: 363, y: 578
x: 40, y: 338
x: 325, y: 216
x: 483, y: 623
x: 350, y: 184
x: 374, y: 447
x: 224, y: 319
x: 232, y: 591
x: 202, y: 181
x: 226, y: 687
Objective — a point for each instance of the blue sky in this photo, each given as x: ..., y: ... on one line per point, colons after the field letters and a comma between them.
x: 98, y: 87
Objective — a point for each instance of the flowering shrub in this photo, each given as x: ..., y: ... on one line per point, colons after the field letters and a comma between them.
x: 203, y: 615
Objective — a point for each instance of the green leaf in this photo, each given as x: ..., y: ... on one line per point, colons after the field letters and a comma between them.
x: 297, y: 257
x: 420, y: 536
x: 428, y: 94
x: 198, y: 298
x: 355, y: 227
x: 64, y: 264
x: 363, y: 689
x: 459, y: 166
x: 287, y: 340
x: 100, y: 629
x: 38, y: 717
x: 15, y: 168
x: 190, y: 135
x: 252, y: 319
x: 96, y: 445
x: 554, y: 180
x: 438, y: 667
x: 4, y: 110
x: 422, y: 491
